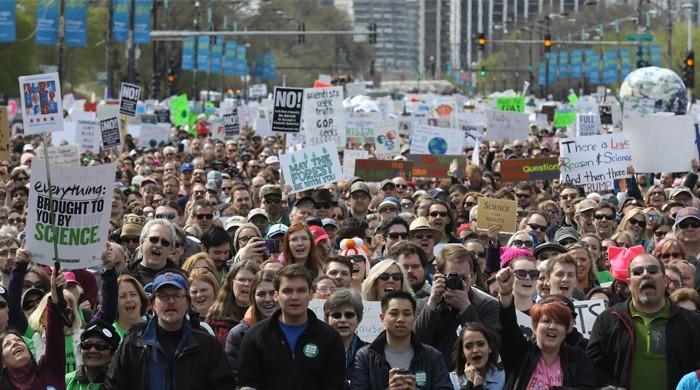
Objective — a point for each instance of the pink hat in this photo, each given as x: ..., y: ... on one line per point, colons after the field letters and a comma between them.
x: 620, y: 258
x: 70, y: 278
x: 509, y: 254
x: 26, y: 157
x: 319, y: 234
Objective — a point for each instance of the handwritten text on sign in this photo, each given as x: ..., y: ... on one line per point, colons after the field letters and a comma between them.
x: 596, y: 161
x: 323, y: 116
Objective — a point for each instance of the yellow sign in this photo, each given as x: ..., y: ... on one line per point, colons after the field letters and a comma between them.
x: 501, y: 212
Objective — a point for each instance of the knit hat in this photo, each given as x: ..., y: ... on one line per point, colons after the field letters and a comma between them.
x: 620, y: 258
x: 509, y: 254
x: 132, y: 225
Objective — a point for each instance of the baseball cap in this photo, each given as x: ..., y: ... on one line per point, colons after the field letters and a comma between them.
x: 548, y: 246
x: 276, y: 230
x: 359, y: 186
x: 187, y: 167
x: 272, y: 160
x: 102, y: 330
x: 211, y: 185
x: 391, y: 202
x: 585, y: 205
x: 256, y: 212
x: 169, y: 279
x: 329, y: 222
x: 564, y: 233
x: 28, y: 148
x: 235, y: 221
x: 687, y: 212
x: 318, y: 233
x: 70, y: 278
x: 680, y: 190
x: 321, y: 196
x: 270, y: 189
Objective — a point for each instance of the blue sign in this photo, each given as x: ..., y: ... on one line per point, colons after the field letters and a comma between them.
x: 541, y: 73
x: 593, y: 66
x: 564, y: 64
x: 203, y: 54
x: 610, y: 69
x: 187, y: 53
x: 76, y: 23
x: 215, y: 57
x: 576, y: 63
x: 142, y: 21
x: 47, y: 22
x: 656, y: 55
x: 120, y: 20
x: 241, y: 62
x: 625, y: 65
x: 230, y: 59
x: 8, y: 29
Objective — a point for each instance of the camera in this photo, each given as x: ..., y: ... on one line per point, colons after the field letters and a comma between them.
x: 454, y: 281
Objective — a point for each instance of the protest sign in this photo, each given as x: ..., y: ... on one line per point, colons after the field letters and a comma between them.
x: 506, y: 125
x: 110, y: 133
x: 430, y: 165
x: 360, y: 128
x: 81, y: 199
x: 154, y: 135
x: 513, y: 103
x: 549, y: 111
x: 587, y: 312
x: 605, y: 111
x: 368, y: 329
x: 231, y: 125
x: 595, y: 161
x: 61, y: 155
x: 349, y: 157
x: 387, y: 142
x: 4, y: 135
x: 87, y: 135
x: 500, y: 212
x: 355, y: 89
x: 587, y: 124
x: 287, y: 109
x: 42, y: 111
x: 471, y: 122
x: 162, y: 116
x: 311, y: 167
x: 257, y: 91
x: 564, y: 118
x: 378, y: 170
x: 128, y: 99
x: 436, y: 140
x: 662, y: 143
x: 323, y: 116
x: 262, y: 122
x: 180, y: 110
x: 546, y: 168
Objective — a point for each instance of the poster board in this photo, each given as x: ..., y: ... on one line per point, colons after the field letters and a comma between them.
x: 595, y: 162
x: 501, y: 212
x: 311, y: 167
x: 378, y: 170
x: 42, y: 110
x: 545, y: 168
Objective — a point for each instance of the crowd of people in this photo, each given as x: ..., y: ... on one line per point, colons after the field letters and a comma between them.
x: 211, y: 266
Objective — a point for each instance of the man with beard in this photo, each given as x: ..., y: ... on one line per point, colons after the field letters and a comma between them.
x: 156, y: 239
x: 525, y: 194
x: 414, y: 260
x: 604, y: 220
x: 217, y: 245
x: 203, y: 214
x: 323, y: 203
x: 171, y: 187
x: 8, y: 252
x: 18, y: 197
x: 358, y: 203
x: 585, y: 210
x: 566, y: 200
x: 241, y: 202
x: 646, y: 341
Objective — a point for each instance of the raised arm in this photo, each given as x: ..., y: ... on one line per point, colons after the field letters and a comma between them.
x: 17, y: 320
x: 108, y: 310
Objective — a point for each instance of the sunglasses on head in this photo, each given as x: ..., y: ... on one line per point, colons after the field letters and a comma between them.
x: 686, y: 224
x: 154, y: 240
x: 338, y: 315
x: 86, y: 345
x: 522, y: 274
x: 609, y: 217
x: 396, y: 276
x: 397, y: 235
x: 651, y: 270
x: 535, y: 226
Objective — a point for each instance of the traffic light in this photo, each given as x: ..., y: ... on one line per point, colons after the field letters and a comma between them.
x: 481, y: 41
x: 547, y: 42
x: 301, y: 38
x: 689, y: 70
x: 372, y: 33
x: 482, y: 72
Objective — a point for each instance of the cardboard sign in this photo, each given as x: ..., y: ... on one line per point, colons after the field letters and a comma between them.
x: 546, y: 168
x: 587, y: 313
x: 129, y: 99
x: 154, y: 135
x: 81, y: 201
x: 4, y: 135
x: 349, y: 158
x: 367, y: 330
x: 595, y: 161
x: 662, y: 143
x: 507, y: 125
x: 287, y: 110
x: 311, y: 167
x: 378, y: 170
x: 587, y: 124
x: 110, y: 133
x: 61, y: 155
x: 231, y: 125
x: 513, y: 103
x: 500, y: 212
x: 605, y: 111
x: 87, y: 135
x: 430, y: 165
x: 323, y: 117
x: 436, y: 140
x: 42, y: 111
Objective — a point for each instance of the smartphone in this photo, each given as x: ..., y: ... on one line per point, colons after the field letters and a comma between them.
x: 403, y: 371
x: 272, y: 246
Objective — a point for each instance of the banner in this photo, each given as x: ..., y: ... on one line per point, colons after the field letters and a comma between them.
x: 203, y: 54
x: 587, y: 312
x: 47, y: 22
x: 507, y: 125
x: 378, y: 170
x: 142, y: 21
x: 4, y: 135
x: 76, y: 23
x: 88, y: 135
x: 287, y: 109
x: 241, y: 61
x: 323, y: 116
x: 437, y: 140
x: 8, y: 28
x: 120, y: 20
x: 500, y: 212
x: 61, y: 155
x: 430, y: 165
x: 311, y: 167
x: 81, y: 201
x: 187, y: 53
x: 545, y: 168
x: 656, y: 150
x: 41, y: 103
x: 564, y: 118
x: 215, y: 59
x: 595, y: 162
x: 230, y: 58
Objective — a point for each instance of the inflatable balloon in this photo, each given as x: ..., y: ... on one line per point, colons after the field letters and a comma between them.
x: 661, y: 85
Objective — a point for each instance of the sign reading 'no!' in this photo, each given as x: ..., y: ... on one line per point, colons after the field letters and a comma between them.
x: 286, y: 113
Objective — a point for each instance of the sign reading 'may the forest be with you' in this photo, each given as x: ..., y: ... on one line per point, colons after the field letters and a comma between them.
x: 311, y: 167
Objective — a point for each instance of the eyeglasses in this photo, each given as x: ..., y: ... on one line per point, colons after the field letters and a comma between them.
x: 86, y: 345
x: 438, y: 213
x: 658, y: 193
x: 177, y: 297
x: 392, y: 235
x: 552, y: 211
x: 396, y: 276
x: 11, y: 252
x: 168, y: 216
x: 686, y: 224
x: 651, y: 270
x: 406, y: 205
x: 326, y: 206
x: 639, y: 222
x: 523, y: 243
x: 337, y: 315
x: 154, y: 240
x: 609, y: 217
x: 423, y: 236
x: 670, y: 255
x: 205, y: 216
x: 535, y: 226
x: 326, y: 290
x: 401, y: 186
x: 127, y: 240
x: 29, y: 284
x: 660, y: 233
x: 522, y: 274
x: 16, y: 220
x: 272, y: 200
x: 522, y: 196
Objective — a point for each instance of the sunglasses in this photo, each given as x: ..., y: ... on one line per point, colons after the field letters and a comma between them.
x: 205, y: 216
x: 86, y: 345
x: 167, y: 216
x: 127, y: 240
x: 651, y: 270
x: 522, y: 196
x: 670, y: 255
x: 609, y: 217
x: 686, y: 224
x: 438, y: 213
x: 397, y: 235
x: 28, y: 284
x: 326, y: 206
x: 641, y: 223
x: 523, y: 274
x: 273, y: 200
x: 396, y: 276
x: 357, y: 258
x: 420, y: 236
x: 660, y: 233
x: 338, y: 315
x: 15, y: 220
x: 401, y: 186
x: 535, y: 226
x: 154, y: 240
x: 521, y: 243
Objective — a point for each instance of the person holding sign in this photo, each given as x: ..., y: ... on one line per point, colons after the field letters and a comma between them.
x: 545, y: 362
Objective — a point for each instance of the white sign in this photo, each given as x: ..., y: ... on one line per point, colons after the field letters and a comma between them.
x: 387, y: 142
x: 662, y: 143
x: 587, y: 124
x: 349, y: 157
x: 367, y: 330
x: 636, y: 107
x: 506, y: 125
x: 81, y: 202
x: 471, y: 121
x: 355, y: 89
x: 437, y: 140
x: 61, y: 155
x: 154, y: 134
x: 311, y: 167
x: 586, y: 314
x: 595, y: 161
x: 257, y: 91
x: 88, y: 135
x: 42, y: 111
x: 323, y: 117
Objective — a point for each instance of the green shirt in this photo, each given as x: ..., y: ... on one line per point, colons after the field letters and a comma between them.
x: 73, y: 384
x: 649, y: 365
x: 604, y: 277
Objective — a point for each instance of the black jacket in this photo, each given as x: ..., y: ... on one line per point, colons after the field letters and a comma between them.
x: 520, y: 357
x: 140, y: 363
x: 318, y: 361
x: 612, y: 344
x: 372, y: 370
x: 438, y: 327
x: 144, y: 275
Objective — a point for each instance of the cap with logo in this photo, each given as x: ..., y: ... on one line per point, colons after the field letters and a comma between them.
x: 169, y: 279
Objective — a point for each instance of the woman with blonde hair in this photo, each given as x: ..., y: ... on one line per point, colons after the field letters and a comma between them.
x: 201, y: 260
x: 635, y: 223
x: 669, y: 249
x: 386, y: 276
x: 655, y: 197
x: 204, y: 288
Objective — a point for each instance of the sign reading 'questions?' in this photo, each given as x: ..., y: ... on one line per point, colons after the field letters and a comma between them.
x: 287, y: 109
